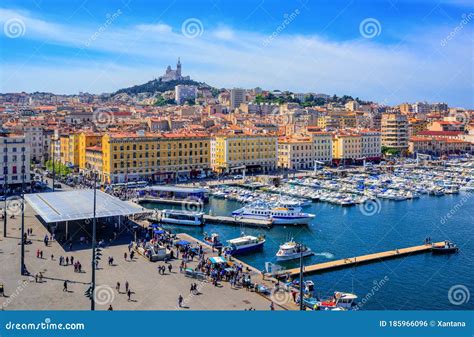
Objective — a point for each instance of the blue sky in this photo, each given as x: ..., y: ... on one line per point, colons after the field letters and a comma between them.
x: 388, y: 51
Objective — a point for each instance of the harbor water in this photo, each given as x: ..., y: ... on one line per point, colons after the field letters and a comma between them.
x: 423, y: 281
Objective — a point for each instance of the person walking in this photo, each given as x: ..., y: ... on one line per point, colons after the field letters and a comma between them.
x: 272, y: 306
x: 126, y: 286
x: 180, y: 300
x: 125, y: 256
x: 129, y: 294
x: 65, y: 286
x: 118, y: 287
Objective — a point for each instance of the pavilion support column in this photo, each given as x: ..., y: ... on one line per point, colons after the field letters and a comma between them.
x: 67, y: 230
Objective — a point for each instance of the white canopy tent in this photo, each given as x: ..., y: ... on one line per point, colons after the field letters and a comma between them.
x: 79, y: 205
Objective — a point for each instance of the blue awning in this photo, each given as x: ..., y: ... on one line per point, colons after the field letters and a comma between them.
x: 183, y: 243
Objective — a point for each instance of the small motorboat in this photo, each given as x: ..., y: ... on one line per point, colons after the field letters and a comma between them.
x: 340, y: 301
x: 213, y: 240
x: 447, y: 248
x: 292, y: 250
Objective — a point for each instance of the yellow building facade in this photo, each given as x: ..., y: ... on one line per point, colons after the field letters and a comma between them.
x: 167, y: 157
x: 256, y: 151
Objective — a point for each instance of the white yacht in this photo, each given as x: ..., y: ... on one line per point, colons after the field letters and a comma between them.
x: 292, y: 250
x: 180, y: 217
x: 278, y: 215
x: 469, y: 187
x: 244, y: 244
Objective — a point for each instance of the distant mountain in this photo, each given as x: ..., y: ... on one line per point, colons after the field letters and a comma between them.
x: 157, y: 85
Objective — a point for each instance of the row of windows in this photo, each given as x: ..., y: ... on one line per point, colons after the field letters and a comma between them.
x: 158, y: 154
x: 152, y: 147
x: 158, y: 163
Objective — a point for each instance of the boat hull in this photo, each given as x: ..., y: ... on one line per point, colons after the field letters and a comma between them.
x: 181, y: 222
x: 440, y: 251
x: 293, y: 256
x: 246, y: 248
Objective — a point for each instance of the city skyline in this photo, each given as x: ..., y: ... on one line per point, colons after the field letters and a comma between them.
x: 389, y: 54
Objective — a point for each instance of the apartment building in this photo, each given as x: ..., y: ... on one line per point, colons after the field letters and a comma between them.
x: 295, y: 153
x: 395, y: 131
x: 257, y: 152
x: 16, y: 161
x: 141, y: 156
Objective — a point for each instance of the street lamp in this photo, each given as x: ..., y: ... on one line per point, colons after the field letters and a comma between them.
x: 54, y: 140
x: 94, y: 256
x: 23, y: 172
x: 5, y: 187
x: 301, y: 276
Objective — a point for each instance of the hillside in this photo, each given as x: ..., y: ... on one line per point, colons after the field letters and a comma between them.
x: 157, y: 85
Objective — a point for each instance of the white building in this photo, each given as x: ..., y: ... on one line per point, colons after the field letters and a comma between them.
x: 237, y: 96
x: 371, y: 144
x: 35, y: 140
x: 322, y: 146
x: 16, y: 161
x: 183, y: 93
x: 395, y: 131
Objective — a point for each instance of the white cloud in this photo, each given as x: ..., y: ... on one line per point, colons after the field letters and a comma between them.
x: 417, y: 69
x: 224, y: 33
x: 157, y: 28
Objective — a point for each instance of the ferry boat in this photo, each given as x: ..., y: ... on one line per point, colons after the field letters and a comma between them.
x: 243, y: 244
x: 180, y: 217
x: 292, y: 250
x: 278, y: 215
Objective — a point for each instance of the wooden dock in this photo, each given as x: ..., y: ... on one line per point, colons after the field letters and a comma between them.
x: 237, y: 221
x: 358, y: 260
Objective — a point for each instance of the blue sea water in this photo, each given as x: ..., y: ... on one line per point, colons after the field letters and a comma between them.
x: 417, y: 282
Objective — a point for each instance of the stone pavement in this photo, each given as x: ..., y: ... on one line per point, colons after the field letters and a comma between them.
x: 151, y: 291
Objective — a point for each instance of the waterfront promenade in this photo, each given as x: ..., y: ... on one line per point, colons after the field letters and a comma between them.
x: 150, y: 290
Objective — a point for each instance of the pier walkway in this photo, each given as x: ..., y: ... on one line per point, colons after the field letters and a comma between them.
x: 237, y: 221
x: 354, y: 261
